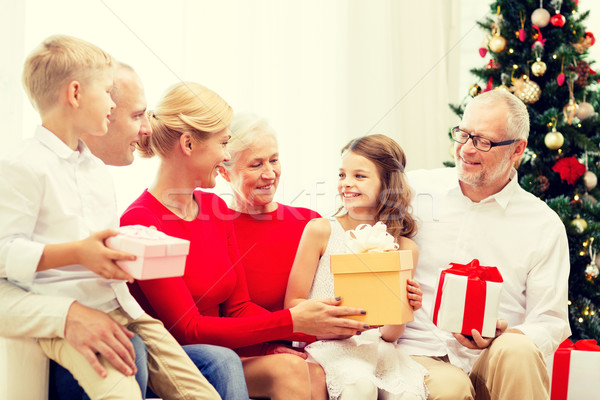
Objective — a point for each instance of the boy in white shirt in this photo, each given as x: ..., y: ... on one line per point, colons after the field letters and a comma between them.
x: 57, y: 206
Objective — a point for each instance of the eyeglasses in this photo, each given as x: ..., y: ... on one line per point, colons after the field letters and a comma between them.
x: 480, y: 143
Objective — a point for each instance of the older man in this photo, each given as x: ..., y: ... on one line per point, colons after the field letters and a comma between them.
x: 478, y: 210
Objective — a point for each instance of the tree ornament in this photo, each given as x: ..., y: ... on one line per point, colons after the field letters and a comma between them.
x: 526, y: 90
x: 540, y: 17
x: 497, y: 43
x: 579, y: 225
x: 585, y: 110
x: 543, y: 183
x: 589, y: 198
x: 482, y: 51
x: 591, y: 271
x: 539, y: 67
x: 586, y: 41
x: 570, y: 169
x: 560, y: 79
x: 474, y: 90
x: 554, y: 139
x: 558, y: 19
x: 570, y: 110
x: 521, y: 33
x: 590, y: 180
x: 582, y: 69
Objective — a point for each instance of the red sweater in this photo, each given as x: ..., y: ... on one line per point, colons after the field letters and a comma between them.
x: 268, y: 243
x: 210, y: 303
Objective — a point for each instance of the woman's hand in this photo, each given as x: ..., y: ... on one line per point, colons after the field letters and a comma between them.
x: 415, y: 295
x: 322, y: 318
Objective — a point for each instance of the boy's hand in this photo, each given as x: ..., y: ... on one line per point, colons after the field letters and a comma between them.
x: 92, y: 333
x: 415, y: 295
x: 95, y: 256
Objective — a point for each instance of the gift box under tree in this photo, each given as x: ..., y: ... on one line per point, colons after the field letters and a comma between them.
x: 575, y: 371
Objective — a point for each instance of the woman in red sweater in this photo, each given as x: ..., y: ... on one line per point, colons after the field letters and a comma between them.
x: 210, y: 303
x: 263, y: 226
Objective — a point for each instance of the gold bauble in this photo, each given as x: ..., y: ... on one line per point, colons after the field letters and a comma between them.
x: 526, y: 90
x: 585, y: 110
x: 540, y: 17
x: 538, y: 68
x: 579, y: 225
x: 497, y: 44
x: 590, y: 180
x: 502, y: 87
x: 554, y: 140
x: 474, y: 90
x: 570, y: 110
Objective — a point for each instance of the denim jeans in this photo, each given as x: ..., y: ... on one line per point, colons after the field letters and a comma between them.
x: 222, y: 367
x: 64, y: 387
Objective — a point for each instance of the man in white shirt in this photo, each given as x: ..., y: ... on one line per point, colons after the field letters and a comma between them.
x: 478, y: 211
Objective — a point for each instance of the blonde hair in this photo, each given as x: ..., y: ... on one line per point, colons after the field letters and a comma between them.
x: 186, y: 107
x: 56, y: 61
x: 393, y: 203
x: 245, y: 129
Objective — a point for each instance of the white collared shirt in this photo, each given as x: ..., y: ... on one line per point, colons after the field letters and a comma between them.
x: 512, y: 230
x: 51, y: 194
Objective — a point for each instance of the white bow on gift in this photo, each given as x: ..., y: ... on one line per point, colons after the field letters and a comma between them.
x: 368, y: 238
x: 142, y: 232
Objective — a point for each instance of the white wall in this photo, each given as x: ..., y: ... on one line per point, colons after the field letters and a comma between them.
x: 322, y: 72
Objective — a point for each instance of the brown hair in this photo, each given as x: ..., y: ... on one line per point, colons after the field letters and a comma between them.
x: 186, y: 107
x: 56, y: 61
x: 393, y: 207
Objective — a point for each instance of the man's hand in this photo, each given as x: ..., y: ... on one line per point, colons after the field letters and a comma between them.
x: 92, y: 333
x: 479, y: 342
x: 321, y: 317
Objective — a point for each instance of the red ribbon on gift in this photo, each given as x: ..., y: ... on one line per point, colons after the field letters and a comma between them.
x: 477, y: 276
x: 562, y: 364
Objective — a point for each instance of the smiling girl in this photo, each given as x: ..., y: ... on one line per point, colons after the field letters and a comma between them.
x: 373, y: 188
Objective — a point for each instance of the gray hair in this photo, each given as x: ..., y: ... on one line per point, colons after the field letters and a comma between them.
x: 245, y: 128
x: 517, y: 123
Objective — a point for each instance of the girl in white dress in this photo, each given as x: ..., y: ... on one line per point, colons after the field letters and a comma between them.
x: 373, y: 188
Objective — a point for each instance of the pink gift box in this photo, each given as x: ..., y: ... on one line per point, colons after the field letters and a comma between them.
x: 158, y: 254
x: 468, y: 297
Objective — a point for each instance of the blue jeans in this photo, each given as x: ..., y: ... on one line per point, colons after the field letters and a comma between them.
x: 64, y: 387
x: 222, y: 367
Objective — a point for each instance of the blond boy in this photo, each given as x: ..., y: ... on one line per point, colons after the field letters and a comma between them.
x: 57, y: 205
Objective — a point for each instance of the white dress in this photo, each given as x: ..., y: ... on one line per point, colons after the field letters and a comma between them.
x: 363, y: 356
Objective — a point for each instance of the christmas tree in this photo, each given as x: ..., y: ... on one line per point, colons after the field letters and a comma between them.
x: 537, y: 49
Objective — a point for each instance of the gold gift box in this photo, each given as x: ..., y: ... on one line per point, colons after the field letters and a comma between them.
x: 375, y: 282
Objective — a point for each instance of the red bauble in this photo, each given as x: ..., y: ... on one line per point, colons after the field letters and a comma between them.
x: 522, y: 35
x: 482, y: 51
x: 560, y: 79
x: 590, y: 36
x: 558, y: 20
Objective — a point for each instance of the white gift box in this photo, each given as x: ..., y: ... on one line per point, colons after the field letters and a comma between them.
x: 468, y: 302
x: 582, y: 379
x: 158, y: 255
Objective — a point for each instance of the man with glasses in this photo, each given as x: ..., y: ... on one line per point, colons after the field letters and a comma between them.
x: 478, y: 211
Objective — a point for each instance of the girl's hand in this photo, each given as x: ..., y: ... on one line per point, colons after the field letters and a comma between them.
x: 415, y: 295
